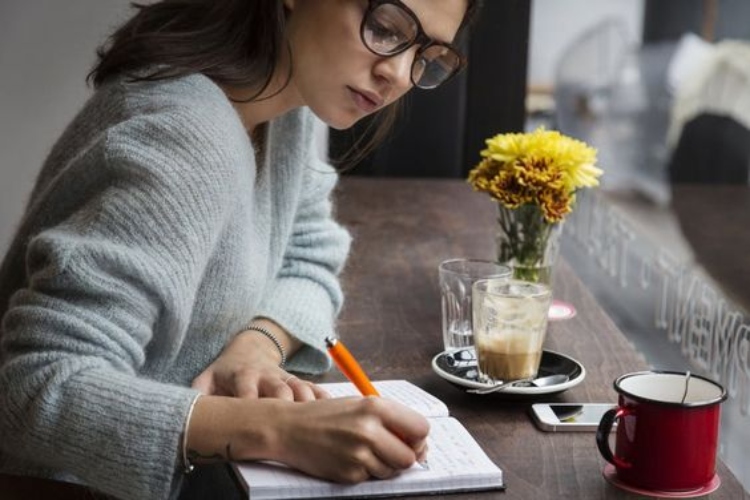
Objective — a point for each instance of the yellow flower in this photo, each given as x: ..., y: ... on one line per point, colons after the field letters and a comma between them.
x: 544, y: 168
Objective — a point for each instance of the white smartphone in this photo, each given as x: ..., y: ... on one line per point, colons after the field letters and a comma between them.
x: 558, y: 417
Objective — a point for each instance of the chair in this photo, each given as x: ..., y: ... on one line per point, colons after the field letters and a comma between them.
x: 712, y: 149
x: 585, y: 73
x: 611, y: 92
x: 710, y: 123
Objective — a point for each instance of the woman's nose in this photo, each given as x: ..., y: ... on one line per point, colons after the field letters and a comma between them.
x: 397, y: 69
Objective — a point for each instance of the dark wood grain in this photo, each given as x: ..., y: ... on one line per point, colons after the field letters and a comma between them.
x: 391, y: 319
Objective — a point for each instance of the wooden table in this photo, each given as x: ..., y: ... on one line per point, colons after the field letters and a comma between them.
x: 402, y: 229
x: 391, y: 319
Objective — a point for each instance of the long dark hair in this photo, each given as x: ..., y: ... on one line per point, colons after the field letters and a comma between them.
x: 233, y: 42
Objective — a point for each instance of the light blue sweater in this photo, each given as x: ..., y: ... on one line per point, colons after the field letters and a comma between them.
x: 150, y: 239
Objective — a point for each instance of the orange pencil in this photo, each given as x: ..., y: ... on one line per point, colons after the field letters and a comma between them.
x: 350, y: 367
x: 356, y: 375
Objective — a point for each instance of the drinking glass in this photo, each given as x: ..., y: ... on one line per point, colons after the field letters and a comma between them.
x: 456, y: 278
x: 510, y: 324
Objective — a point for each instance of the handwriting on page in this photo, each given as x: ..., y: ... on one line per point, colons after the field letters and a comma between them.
x: 456, y: 461
x: 453, y: 450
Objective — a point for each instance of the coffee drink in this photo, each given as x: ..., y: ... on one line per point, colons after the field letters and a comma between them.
x: 509, y: 366
x: 510, y: 323
x: 501, y: 359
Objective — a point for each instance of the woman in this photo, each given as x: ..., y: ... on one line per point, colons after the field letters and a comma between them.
x: 178, y: 257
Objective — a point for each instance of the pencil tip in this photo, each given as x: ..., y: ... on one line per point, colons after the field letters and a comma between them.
x: 330, y: 341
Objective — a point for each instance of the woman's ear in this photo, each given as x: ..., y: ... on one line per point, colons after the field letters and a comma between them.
x: 289, y: 4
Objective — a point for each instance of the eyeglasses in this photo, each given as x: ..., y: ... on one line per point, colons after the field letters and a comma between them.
x: 389, y: 28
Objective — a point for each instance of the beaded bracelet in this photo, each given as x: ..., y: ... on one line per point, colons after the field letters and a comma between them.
x: 273, y: 339
x: 187, y: 466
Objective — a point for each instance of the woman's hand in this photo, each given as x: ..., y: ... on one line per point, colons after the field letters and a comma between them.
x: 248, y: 368
x: 346, y: 440
x: 350, y: 439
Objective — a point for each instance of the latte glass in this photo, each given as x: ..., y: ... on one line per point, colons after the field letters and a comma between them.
x: 510, y: 324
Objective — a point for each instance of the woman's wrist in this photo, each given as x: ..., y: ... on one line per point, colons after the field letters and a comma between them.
x: 187, y: 464
x: 275, y: 336
x: 273, y: 339
x: 227, y: 429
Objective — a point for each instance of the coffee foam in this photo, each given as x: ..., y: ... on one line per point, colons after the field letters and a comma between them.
x: 518, y: 342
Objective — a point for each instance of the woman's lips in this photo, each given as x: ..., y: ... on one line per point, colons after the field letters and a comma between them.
x: 366, y: 101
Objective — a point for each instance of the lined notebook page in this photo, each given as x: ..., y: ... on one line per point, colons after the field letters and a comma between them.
x: 456, y: 463
x: 402, y: 391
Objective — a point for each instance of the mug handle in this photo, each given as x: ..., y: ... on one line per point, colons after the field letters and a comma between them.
x: 602, y: 436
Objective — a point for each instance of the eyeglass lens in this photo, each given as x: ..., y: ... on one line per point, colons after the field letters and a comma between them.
x: 388, y: 30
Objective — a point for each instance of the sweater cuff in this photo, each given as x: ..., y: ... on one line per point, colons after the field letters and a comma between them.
x: 304, y: 309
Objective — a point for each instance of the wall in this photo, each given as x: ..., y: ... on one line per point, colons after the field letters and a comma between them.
x: 46, y: 49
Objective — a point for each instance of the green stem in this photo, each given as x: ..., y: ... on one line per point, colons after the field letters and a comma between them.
x: 525, y: 236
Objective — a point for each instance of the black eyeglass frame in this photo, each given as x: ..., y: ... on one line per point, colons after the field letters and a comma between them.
x: 421, y: 39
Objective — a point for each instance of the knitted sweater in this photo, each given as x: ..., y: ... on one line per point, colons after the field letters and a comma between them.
x: 150, y: 238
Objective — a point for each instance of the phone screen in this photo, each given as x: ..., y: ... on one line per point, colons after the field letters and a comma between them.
x: 579, y: 414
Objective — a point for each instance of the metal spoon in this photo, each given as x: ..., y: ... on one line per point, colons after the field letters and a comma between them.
x: 687, y: 382
x: 558, y: 378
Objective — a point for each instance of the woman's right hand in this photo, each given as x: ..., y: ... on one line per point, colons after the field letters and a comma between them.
x: 348, y: 440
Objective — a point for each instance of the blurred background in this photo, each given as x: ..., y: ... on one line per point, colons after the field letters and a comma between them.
x: 660, y: 87
x: 47, y: 48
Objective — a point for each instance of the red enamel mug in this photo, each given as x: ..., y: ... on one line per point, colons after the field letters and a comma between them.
x: 667, y: 430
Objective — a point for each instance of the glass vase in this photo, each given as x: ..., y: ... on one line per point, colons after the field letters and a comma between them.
x: 528, y: 243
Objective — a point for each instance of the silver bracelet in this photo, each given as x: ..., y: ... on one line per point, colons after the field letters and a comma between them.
x: 187, y: 466
x: 272, y: 338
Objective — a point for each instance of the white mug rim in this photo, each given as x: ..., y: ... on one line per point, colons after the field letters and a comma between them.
x: 677, y: 404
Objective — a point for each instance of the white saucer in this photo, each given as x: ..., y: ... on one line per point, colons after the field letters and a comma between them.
x: 460, y: 367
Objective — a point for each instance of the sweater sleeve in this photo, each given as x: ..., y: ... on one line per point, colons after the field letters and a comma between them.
x: 306, y: 295
x: 112, y: 283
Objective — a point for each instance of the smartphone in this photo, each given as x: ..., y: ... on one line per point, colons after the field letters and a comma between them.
x: 559, y: 417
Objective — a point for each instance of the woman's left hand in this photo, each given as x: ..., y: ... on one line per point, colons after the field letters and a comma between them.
x: 248, y: 368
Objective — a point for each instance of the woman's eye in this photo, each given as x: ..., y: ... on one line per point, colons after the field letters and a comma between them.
x: 386, y: 33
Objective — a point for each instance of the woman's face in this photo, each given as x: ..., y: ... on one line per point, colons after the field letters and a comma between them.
x: 339, y: 78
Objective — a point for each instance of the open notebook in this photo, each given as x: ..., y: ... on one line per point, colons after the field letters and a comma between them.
x: 456, y: 461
